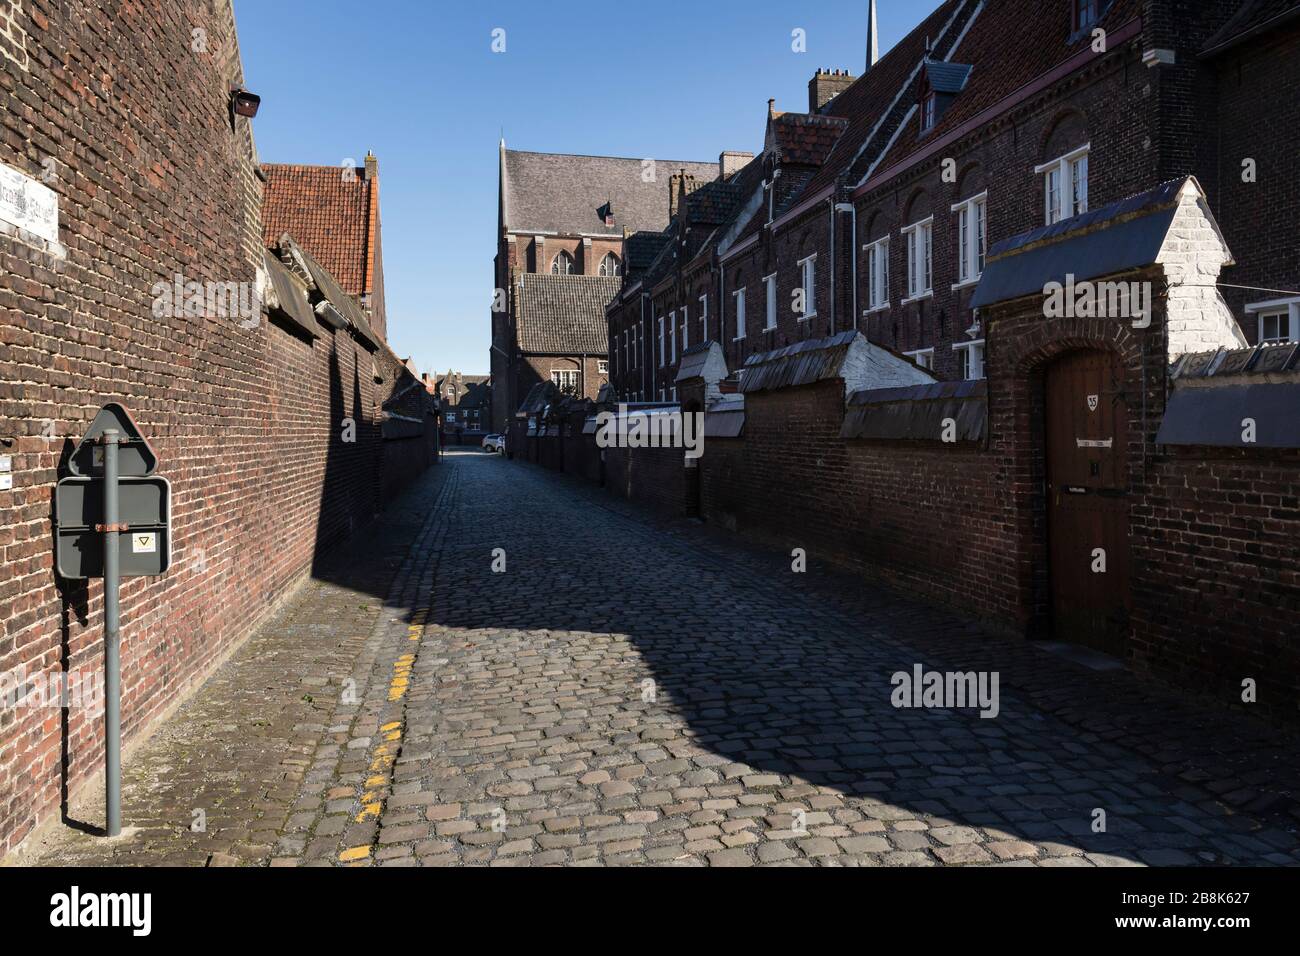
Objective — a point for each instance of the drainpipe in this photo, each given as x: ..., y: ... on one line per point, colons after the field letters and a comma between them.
x: 832, y: 210
x: 852, y: 210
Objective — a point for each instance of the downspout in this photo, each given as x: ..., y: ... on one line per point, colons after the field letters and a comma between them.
x: 852, y: 210
x: 832, y: 211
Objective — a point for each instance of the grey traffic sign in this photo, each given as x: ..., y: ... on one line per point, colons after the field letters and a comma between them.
x: 136, y: 457
x: 144, y: 544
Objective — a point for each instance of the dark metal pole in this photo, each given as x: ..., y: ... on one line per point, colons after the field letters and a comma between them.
x: 112, y: 646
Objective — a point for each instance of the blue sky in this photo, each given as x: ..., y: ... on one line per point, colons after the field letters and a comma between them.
x: 417, y: 82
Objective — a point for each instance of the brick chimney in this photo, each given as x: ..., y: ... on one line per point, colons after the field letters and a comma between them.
x: 372, y: 166
x: 732, y: 162
x: 825, y: 86
x: 680, y: 185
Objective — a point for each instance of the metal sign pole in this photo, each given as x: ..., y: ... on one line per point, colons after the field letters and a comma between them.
x: 112, y: 646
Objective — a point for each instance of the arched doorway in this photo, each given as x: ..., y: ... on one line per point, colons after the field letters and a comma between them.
x: 1088, y: 500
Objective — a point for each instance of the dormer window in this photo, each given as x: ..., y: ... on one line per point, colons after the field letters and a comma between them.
x: 929, y: 112
x: 941, y: 82
x: 1085, y: 14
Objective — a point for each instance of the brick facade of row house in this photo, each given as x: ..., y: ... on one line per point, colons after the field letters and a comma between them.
x: 881, y: 207
x: 121, y: 114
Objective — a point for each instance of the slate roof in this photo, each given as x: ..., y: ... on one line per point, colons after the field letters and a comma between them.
x: 799, y: 364
x: 326, y: 214
x: 564, y: 315
x: 642, y: 248
x: 1254, y: 17
x: 558, y: 193
x: 714, y: 203
x: 947, y: 77
x: 1119, y: 236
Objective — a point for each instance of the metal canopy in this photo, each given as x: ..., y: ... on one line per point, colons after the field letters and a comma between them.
x: 1119, y: 237
x: 1215, y: 416
x: 918, y: 412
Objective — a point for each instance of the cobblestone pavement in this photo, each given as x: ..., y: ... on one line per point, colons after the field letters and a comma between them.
x: 628, y: 691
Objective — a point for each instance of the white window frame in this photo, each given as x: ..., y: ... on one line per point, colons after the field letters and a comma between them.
x: 672, y: 337
x: 923, y: 357
x: 974, y: 355
x: 602, y: 366
x: 617, y: 265
x: 1289, y: 307
x: 769, y: 283
x: 739, y: 298
x: 808, y: 270
x: 663, y: 344
x: 1063, y: 168
x: 704, y: 312
x: 561, y: 375
x: 972, y: 224
x: 877, y: 275
x: 565, y: 257
x: 686, y: 328
x: 920, y: 267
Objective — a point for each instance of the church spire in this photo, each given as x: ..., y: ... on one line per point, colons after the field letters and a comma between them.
x: 872, y: 49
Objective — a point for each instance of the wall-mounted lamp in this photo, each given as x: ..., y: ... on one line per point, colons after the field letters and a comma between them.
x: 244, y: 103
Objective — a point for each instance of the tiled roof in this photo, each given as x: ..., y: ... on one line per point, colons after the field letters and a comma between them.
x: 327, y: 213
x: 551, y: 192
x: 1009, y: 44
x: 642, y: 248
x: 564, y: 315
x: 805, y: 139
x: 947, y: 77
x: 874, y: 95
x: 1253, y: 16
x: 713, y: 203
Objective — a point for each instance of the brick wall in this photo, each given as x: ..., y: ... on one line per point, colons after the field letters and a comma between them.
x: 131, y: 114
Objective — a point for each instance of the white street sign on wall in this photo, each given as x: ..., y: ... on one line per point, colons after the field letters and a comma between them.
x: 28, y: 204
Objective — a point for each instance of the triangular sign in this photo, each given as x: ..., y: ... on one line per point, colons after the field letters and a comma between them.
x: 135, y: 457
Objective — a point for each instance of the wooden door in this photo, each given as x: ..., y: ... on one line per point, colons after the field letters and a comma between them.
x: 1087, y: 474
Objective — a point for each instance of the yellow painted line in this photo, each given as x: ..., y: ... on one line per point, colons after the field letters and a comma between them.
x: 391, y: 726
x: 376, y: 781
x: 355, y: 853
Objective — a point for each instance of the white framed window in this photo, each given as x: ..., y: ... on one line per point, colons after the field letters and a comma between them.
x: 809, y: 269
x: 972, y: 236
x: 602, y: 367
x: 928, y: 112
x: 920, y: 265
x: 672, y: 336
x: 1065, y: 185
x: 1084, y: 14
x: 877, y: 274
x: 970, y: 358
x: 663, y: 344
x: 566, y: 379
x: 922, y: 357
x: 562, y: 264
x: 739, y: 296
x: 686, y: 328
x: 610, y: 265
x: 770, y: 283
x: 704, y: 313
x: 1277, y: 320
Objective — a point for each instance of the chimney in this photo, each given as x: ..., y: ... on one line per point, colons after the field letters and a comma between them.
x: 372, y: 166
x: 825, y: 86
x: 732, y: 162
x: 680, y: 185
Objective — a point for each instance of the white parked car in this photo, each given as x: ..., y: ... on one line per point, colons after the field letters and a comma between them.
x: 495, y: 443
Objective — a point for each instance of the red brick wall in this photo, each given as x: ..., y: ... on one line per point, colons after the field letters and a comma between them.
x: 247, y: 422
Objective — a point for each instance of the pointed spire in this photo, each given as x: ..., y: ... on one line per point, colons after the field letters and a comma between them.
x: 873, y: 53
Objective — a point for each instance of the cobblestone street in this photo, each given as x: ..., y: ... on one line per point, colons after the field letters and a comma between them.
x: 630, y: 692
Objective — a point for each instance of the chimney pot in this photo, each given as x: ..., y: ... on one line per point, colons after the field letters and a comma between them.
x: 825, y: 86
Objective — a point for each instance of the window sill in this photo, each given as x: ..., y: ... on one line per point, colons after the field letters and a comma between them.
x: 928, y: 294
x: 738, y: 338
x: 807, y: 318
x: 966, y: 283
x: 876, y: 308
